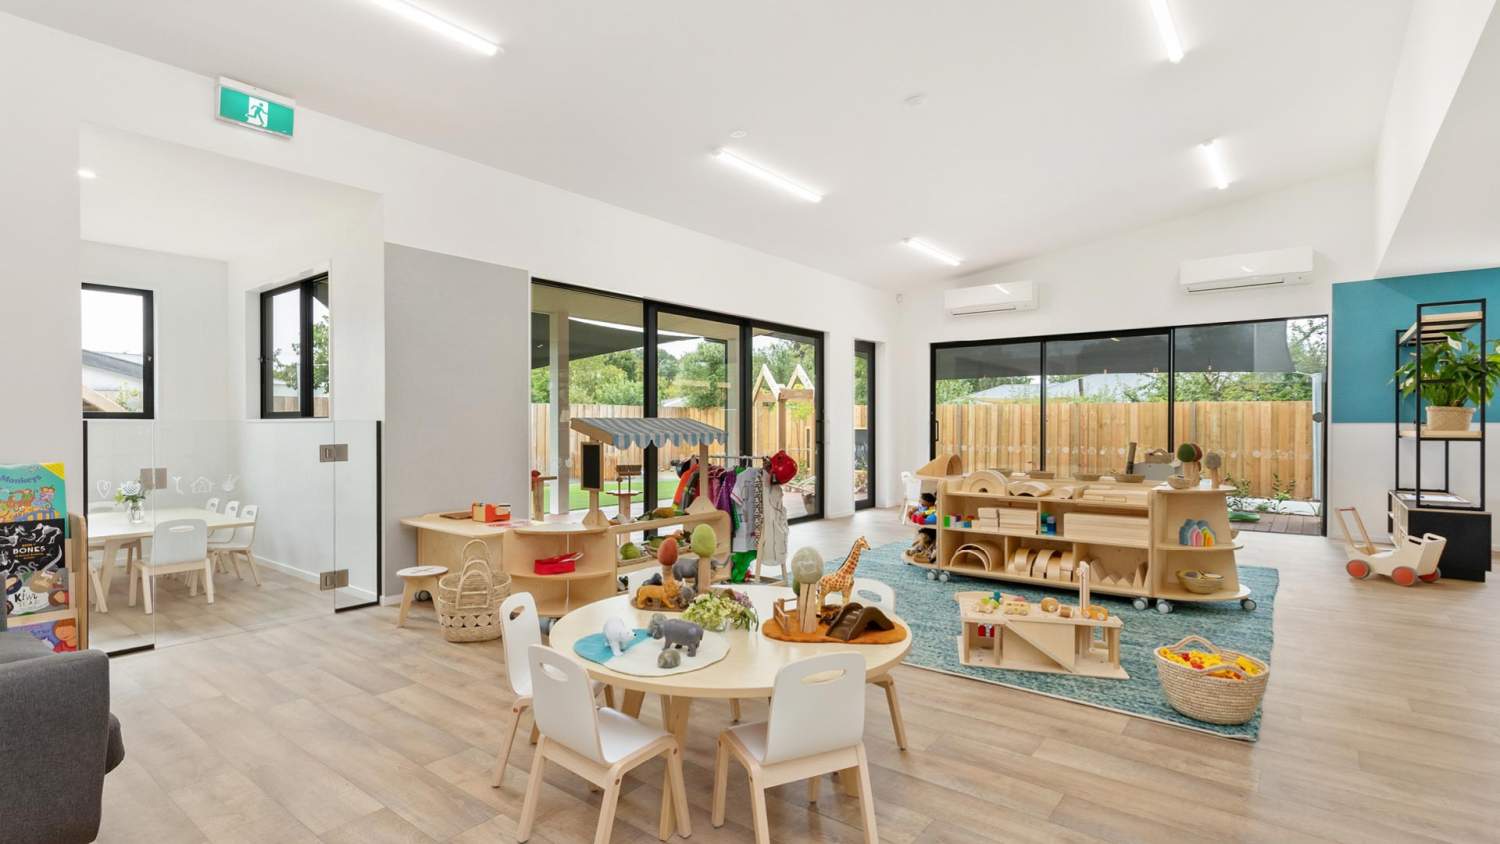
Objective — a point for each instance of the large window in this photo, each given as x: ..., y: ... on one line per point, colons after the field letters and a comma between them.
x: 118, y: 366
x: 864, y: 424
x: 784, y: 417
x: 1252, y: 391
x: 294, y: 350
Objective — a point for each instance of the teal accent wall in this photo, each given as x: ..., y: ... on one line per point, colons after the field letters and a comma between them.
x: 1366, y: 316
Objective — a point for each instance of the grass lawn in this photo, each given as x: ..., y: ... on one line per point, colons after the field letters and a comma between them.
x: 578, y: 499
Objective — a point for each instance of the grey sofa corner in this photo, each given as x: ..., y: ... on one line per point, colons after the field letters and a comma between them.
x: 57, y: 742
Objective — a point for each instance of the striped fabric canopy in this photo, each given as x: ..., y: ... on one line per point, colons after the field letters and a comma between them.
x: 625, y: 432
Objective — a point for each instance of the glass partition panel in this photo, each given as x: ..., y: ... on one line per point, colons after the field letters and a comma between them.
x: 356, y: 486
x: 864, y: 424
x: 698, y: 377
x: 987, y: 404
x: 1104, y: 393
x: 120, y: 506
x: 784, y: 415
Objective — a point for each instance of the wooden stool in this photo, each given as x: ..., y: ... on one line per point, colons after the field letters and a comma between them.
x: 414, y: 580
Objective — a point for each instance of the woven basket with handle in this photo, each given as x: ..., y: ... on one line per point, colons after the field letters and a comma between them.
x: 1217, y: 700
x: 468, y: 602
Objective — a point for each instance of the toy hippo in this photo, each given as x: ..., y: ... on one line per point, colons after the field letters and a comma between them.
x: 674, y: 632
x: 618, y: 634
x: 668, y: 659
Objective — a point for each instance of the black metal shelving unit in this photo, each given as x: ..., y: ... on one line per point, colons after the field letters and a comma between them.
x: 1420, y: 508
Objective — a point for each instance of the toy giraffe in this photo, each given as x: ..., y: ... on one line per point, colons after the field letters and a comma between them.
x: 842, y: 580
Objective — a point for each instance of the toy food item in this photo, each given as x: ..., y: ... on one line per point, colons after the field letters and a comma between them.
x: 1201, y: 659
x: 667, y: 553
x: 1016, y: 606
x: 987, y: 605
x: 630, y: 551
x: 704, y: 542
x: 1050, y: 605
x: 1096, y: 612
x: 1065, y: 611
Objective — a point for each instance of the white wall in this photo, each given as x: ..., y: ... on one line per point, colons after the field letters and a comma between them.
x: 432, y: 200
x: 1440, y: 39
x: 1129, y: 280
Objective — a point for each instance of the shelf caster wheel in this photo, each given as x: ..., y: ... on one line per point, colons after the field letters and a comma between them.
x: 1163, y: 607
x: 942, y: 577
x: 1140, y: 603
x: 1247, y: 604
x: 931, y: 575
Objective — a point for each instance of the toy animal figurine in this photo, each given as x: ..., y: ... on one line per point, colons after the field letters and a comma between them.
x: 618, y: 634
x: 668, y: 659
x: 666, y: 595
x: 676, y: 633
x: 686, y: 569
x: 842, y: 580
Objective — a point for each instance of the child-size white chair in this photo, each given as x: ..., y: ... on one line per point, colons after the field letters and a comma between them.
x: 211, y: 505
x: 871, y: 592
x: 601, y: 745
x: 816, y: 726
x: 239, y: 545
x: 223, y: 536
x: 177, y: 546
x: 911, y: 494
x: 520, y: 628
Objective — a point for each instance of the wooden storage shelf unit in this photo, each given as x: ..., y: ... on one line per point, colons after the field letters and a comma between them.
x: 1131, y: 547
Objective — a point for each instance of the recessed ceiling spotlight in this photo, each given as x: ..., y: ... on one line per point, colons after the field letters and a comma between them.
x: 932, y: 251
x: 915, y: 100
x: 413, y: 13
x: 738, y: 133
x: 745, y: 165
x: 86, y: 173
x: 1167, y: 29
x: 1215, y: 160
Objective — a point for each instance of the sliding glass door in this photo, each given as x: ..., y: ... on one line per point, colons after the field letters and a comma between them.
x: 698, y: 376
x: 864, y: 424
x: 986, y: 404
x: 785, y: 417
x: 1103, y: 395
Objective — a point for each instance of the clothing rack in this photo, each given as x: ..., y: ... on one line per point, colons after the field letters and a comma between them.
x: 744, y: 459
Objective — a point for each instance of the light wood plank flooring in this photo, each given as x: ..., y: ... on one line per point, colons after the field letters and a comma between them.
x: 1380, y: 725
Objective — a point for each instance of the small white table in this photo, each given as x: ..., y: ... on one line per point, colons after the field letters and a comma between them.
x: 749, y: 671
x: 115, y: 529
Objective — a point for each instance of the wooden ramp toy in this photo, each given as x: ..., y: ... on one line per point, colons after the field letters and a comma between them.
x: 1414, y: 558
x: 1038, y: 640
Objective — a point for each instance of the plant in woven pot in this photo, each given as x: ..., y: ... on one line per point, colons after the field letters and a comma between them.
x: 1457, y: 376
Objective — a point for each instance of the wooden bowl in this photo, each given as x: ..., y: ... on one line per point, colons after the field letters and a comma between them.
x: 1179, y: 482
x: 1129, y: 479
x: 1200, y: 582
x: 1085, y: 476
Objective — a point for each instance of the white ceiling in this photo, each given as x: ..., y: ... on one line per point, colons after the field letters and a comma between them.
x: 170, y: 198
x: 1044, y: 123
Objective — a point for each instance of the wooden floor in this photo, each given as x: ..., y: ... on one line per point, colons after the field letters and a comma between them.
x: 1296, y: 523
x: 1380, y: 725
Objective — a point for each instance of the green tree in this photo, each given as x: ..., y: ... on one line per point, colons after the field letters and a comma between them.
x: 288, y: 373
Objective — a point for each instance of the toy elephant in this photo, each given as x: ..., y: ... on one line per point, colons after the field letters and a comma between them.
x: 618, y: 634
x: 674, y: 632
x: 668, y: 659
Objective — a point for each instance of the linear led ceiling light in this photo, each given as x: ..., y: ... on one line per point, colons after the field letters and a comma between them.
x: 932, y: 251
x: 745, y: 165
x: 1212, y: 155
x: 1168, y: 30
x: 423, y: 18
x: 86, y: 173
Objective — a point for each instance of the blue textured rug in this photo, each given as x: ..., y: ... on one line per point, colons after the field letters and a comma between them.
x: 928, y: 607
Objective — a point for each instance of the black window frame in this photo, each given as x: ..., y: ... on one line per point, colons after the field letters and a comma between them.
x: 148, y: 352
x: 866, y: 349
x: 305, y: 398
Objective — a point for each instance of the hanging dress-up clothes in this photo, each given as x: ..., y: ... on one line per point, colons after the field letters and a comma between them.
x: 773, y: 535
x: 743, y: 544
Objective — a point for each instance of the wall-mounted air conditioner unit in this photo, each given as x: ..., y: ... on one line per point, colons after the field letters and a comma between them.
x: 991, y: 298
x: 1277, y: 268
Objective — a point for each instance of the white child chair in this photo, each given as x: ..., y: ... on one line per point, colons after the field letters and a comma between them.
x: 911, y: 494
x: 211, y: 505
x: 179, y: 546
x: 520, y: 627
x: 222, y: 536
x: 601, y: 745
x: 816, y: 726
x: 239, y: 544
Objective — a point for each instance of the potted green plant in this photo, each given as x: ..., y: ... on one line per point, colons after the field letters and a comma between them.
x: 1457, y: 376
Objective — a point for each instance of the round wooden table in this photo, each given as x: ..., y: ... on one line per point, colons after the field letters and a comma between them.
x: 749, y: 671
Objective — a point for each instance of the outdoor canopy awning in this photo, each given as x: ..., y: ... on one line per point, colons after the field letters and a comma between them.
x: 628, y: 432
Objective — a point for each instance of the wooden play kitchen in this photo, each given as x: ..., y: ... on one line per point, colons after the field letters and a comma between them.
x: 1146, y: 543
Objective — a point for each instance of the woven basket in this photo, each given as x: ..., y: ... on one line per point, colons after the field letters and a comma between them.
x: 1213, y: 699
x: 468, y: 602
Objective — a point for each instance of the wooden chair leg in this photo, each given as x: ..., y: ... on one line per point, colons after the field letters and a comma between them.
x: 503, y: 757
x: 721, y: 784
x: 866, y: 796
x: 250, y: 561
x: 607, y: 812
x: 101, y: 598
x: 192, y: 583
x: 812, y: 788
x: 536, y: 734
x: 234, y: 560
x: 208, y: 580
x: 148, y: 585
x: 734, y: 710
x: 758, y: 812
x: 898, y: 726
x: 533, y: 791
x: 131, y: 575
x: 679, y: 791
x: 609, y: 696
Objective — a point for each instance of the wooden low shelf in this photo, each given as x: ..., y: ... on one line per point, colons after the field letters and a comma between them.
x: 1038, y: 641
x: 1116, y: 559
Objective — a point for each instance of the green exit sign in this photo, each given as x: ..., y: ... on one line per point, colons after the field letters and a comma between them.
x: 255, y: 108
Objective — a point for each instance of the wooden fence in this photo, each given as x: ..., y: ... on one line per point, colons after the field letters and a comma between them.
x: 1262, y: 441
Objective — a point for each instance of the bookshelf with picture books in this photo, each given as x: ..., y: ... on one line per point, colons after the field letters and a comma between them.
x: 1147, y: 543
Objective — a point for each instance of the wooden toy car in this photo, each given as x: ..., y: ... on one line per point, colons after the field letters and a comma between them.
x: 1413, y: 558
